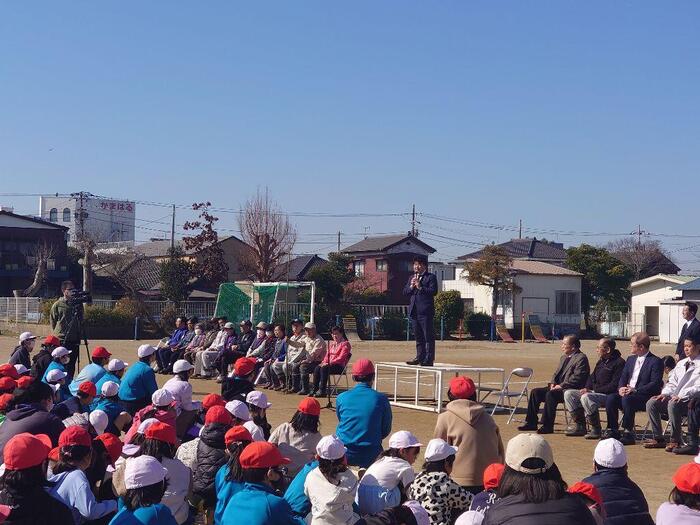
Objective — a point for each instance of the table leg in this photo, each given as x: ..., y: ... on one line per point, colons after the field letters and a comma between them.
x: 396, y: 384
x: 439, y: 396
x: 417, y: 385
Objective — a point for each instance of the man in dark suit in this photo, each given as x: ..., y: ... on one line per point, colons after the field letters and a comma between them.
x: 572, y: 372
x: 421, y: 289
x: 691, y: 328
x: 641, y: 379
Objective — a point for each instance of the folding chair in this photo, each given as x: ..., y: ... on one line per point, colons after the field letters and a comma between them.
x: 506, y: 394
x: 336, y: 382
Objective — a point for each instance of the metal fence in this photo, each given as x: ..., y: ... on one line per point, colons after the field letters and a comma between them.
x: 20, y: 309
x: 380, y: 310
x: 623, y: 324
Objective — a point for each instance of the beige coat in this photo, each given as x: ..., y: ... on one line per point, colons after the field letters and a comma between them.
x: 466, y: 425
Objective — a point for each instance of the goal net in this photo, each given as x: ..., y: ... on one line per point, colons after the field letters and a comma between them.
x: 277, y: 302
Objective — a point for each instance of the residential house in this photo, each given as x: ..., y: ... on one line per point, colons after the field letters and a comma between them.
x: 443, y: 272
x: 20, y: 238
x: 297, y: 269
x: 529, y: 249
x: 385, y: 263
x: 648, y: 296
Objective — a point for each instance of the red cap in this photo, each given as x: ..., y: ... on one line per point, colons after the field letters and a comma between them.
x: 113, y: 445
x: 236, y: 434
x: 75, y: 435
x: 25, y: 450
x: 7, y: 383
x: 162, y: 432
x: 100, y: 351
x: 262, y: 454
x: 363, y: 367
x: 55, y: 454
x: 8, y: 370
x: 309, y: 406
x: 89, y: 388
x: 52, y: 340
x: 218, y: 414
x: 25, y: 381
x: 588, y: 490
x: 4, y: 513
x: 492, y: 475
x: 5, y: 399
x: 462, y: 387
x: 687, y: 478
x: 244, y: 366
x: 213, y: 400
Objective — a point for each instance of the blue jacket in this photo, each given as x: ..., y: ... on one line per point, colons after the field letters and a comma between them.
x: 157, y: 514
x: 175, y: 338
x: 295, y: 495
x: 73, y: 489
x: 54, y: 365
x: 422, y: 300
x: 68, y: 407
x: 623, y: 500
x: 109, y: 376
x: 257, y: 504
x: 364, y: 420
x: 650, y: 380
x: 138, y: 382
x: 224, y: 492
x: 112, y: 410
x: 91, y: 372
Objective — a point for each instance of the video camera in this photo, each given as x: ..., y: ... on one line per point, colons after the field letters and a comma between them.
x: 79, y: 297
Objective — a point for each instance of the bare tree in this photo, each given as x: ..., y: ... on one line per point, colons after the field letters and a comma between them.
x: 208, y: 262
x: 269, y: 233
x: 643, y: 258
x: 41, y: 254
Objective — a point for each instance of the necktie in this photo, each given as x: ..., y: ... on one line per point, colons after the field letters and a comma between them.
x: 687, y: 366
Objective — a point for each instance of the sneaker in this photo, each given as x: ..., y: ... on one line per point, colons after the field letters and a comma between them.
x: 219, y: 379
x: 627, y: 438
x: 686, y: 450
x: 672, y: 445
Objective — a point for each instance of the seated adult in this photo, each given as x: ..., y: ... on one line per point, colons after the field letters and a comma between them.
x: 315, y: 347
x: 683, y: 506
x: 572, y: 372
x: 583, y: 404
x: 92, y: 372
x: 532, y: 490
x: 178, y: 350
x: 165, y: 352
x: 692, y: 446
x: 235, y: 350
x: 32, y: 414
x: 364, y: 417
x: 334, y: 362
x: 683, y: 383
x: 641, y: 379
x: 623, y: 500
x: 204, y: 361
x: 295, y: 355
x: 277, y: 358
x: 466, y: 425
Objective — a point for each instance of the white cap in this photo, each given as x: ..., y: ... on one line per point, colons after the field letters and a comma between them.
x: 258, y: 399
x: 146, y: 350
x: 182, y: 365
x: 403, y: 439
x: 526, y: 446
x: 115, y: 365
x: 330, y: 447
x: 229, y: 325
x: 610, y: 453
x: 55, y: 375
x: 439, y: 449
x: 238, y: 410
x: 21, y: 369
x: 143, y: 471
x: 471, y: 517
x: 109, y: 389
x: 310, y: 326
x: 25, y: 336
x: 99, y: 421
x: 162, y: 397
x: 60, y: 351
x: 143, y: 426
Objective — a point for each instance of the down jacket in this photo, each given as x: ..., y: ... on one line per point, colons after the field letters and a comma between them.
x: 606, y: 374
x: 511, y: 510
x: 623, y: 500
x: 211, y: 455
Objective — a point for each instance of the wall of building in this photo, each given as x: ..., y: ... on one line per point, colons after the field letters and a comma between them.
x: 538, y: 293
x: 651, y: 294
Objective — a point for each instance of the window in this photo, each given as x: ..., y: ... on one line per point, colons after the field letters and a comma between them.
x: 567, y: 302
x: 31, y: 260
x: 359, y: 268
x: 66, y: 214
x: 51, y: 264
x: 468, y: 305
x: 53, y: 215
x: 382, y: 265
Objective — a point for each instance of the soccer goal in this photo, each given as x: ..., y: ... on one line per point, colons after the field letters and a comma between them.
x: 270, y: 302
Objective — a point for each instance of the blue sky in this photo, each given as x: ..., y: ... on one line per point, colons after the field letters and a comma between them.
x: 574, y: 116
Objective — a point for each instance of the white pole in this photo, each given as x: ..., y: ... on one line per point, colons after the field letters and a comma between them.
x: 313, y: 299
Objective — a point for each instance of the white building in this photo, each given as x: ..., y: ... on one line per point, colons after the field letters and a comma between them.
x: 650, y: 305
x: 105, y: 220
x: 443, y: 272
x: 549, y: 291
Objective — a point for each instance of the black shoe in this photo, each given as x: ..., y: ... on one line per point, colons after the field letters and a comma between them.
x: 686, y: 450
x: 594, y: 433
x: 527, y: 427
x: 427, y: 364
x: 628, y: 438
x: 545, y: 430
x: 320, y: 394
x: 303, y: 392
x: 414, y: 362
x: 609, y: 433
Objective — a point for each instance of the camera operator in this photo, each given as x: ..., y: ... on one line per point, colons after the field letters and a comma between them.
x: 66, y: 323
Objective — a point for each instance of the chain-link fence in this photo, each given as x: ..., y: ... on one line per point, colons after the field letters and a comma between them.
x: 20, y: 309
x: 618, y: 323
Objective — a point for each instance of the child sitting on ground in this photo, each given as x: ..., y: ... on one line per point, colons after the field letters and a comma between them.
x: 487, y: 497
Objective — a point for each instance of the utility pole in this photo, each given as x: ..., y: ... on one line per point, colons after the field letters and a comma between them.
x: 83, y: 240
x: 639, y: 233
x: 413, y: 221
x: 338, y: 242
x: 172, y: 234
x: 520, y: 229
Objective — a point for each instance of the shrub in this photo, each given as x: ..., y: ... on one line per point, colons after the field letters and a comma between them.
x: 448, y: 305
x: 167, y: 318
x: 393, y: 326
x: 478, y: 325
x: 45, y: 309
x: 98, y: 316
x: 132, y: 307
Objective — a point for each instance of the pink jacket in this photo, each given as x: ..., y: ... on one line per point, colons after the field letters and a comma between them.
x: 165, y: 416
x: 338, y: 353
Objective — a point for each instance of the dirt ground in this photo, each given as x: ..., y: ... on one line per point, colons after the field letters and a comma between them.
x: 651, y: 469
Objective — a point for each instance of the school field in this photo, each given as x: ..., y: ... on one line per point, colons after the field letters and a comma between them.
x: 651, y: 469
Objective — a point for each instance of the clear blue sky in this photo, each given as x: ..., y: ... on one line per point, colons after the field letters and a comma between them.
x: 574, y: 116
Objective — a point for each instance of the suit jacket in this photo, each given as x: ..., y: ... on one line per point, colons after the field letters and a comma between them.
x: 574, y: 373
x: 421, y: 302
x: 693, y: 331
x: 650, y: 380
